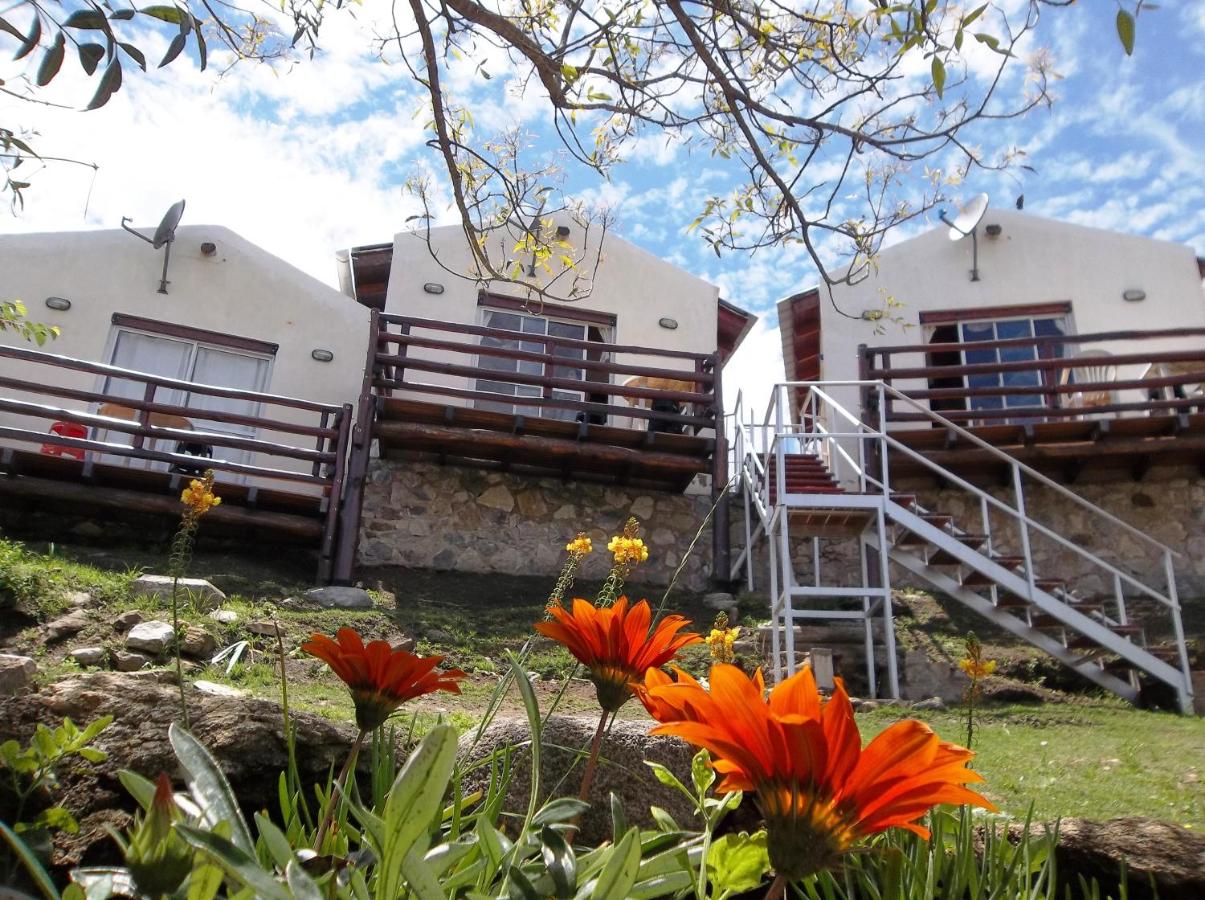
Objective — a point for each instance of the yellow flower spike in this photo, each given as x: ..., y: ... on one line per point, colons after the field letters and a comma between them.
x: 580, y: 545
x: 628, y: 551
x: 977, y: 669
x: 722, y: 639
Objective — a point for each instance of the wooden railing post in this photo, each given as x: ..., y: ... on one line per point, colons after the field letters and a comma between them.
x: 720, y: 537
x: 357, y: 465
x: 330, y: 518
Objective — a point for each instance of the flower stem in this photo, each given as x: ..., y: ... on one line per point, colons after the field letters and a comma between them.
x: 176, y: 632
x: 592, y: 762
x: 336, y: 794
x: 778, y: 888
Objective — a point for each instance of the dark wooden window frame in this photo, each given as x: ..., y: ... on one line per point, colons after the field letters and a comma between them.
x: 1019, y: 311
x: 1029, y: 310
x: 543, y: 308
x: 199, y: 335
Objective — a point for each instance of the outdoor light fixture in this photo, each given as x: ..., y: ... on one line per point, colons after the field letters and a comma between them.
x: 562, y: 231
x: 322, y: 355
x: 62, y: 304
x: 209, y: 248
x: 432, y: 287
x: 994, y: 230
x: 667, y: 322
x: 1133, y: 295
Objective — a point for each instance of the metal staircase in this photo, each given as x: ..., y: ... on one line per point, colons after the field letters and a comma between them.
x: 818, y: 494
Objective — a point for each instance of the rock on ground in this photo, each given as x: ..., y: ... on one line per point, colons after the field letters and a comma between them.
x: 335, y: 597
x: 198, y: 590
x: 1170, y: 856
x: 245, y: 735
x: 152, y: 637
x: 65, y: 626
x: 16, y: 672
x: 621, y: 771
x: 89, y: 656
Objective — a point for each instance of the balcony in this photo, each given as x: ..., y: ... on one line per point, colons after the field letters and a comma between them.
x: 543, y: 403
x: 131, y: 445
x: 1104, y: 404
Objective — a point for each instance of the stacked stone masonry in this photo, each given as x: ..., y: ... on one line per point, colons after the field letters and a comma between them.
x: 447, y: 517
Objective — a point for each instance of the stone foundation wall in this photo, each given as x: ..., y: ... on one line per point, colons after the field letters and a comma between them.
x: 446, y: 517
x: 1170, y: 511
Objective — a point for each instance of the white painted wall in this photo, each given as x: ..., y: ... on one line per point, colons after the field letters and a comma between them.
x: 635, y: 286
x: 240, y: 290
x: 1033, y: 260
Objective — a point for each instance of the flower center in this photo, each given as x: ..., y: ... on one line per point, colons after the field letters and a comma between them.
x: 807, y: 832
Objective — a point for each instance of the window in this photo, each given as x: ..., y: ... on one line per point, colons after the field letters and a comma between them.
x: 999, y: 325
x: 189, y: 355
x: 529, y: 332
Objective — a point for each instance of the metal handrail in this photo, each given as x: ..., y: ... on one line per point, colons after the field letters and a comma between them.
x: 1017, y: 513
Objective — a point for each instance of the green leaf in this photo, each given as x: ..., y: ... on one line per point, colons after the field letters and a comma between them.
x: 532, y: 707
x: 10, y: 29
x: 87, y: 18
x: 110, y: 83
x: 619, y: 874
x: 202, y: 53
x: 209, y: 787
x: 420, y: 877
x: 32, y: 39
x: 619, y: 819
x: 300, y: 883
x: 559, y: 860
x: 52, y: 61
x: 239, y: 865
x: 90, y: 56
x: 736, y: 863
x: 30, y: 861
x: 140, y: 788
x: 172, y: 14
x: 939, y: 75
x: 276, y: 842
x: 122, y: 15
x: 204, y: 881
x: 174, y: 49
x: 414, y: 800
x: 563, y: 809
x: 1125, y: 30
x: 134, y: 53
x: 701, y: 773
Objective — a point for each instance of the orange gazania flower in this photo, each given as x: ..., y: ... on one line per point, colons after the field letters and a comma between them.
x: 616, y: 644
x: 380, y: 678
x: 818, y: 788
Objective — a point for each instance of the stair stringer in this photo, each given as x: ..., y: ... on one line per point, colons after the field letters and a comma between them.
x: 1014, y: 583
x: 1044, y: 642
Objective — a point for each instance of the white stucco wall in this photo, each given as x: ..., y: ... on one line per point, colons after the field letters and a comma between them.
x: 1032, y: 261
x: 240, y: 290
x: 635, y: 286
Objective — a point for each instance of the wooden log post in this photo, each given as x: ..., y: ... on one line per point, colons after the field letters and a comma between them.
x: 720, y: 538
x: 352, y: 501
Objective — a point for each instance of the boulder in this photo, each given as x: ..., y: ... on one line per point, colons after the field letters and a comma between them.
x: 196, y: 590
x: 1167, y: 856
x: 335, y: 597
x: 128, y: 620
x: 924, y: 678
x: 224, y: 616
x: 263, y: 629
x: 153, y: 637
x: 124, y: 661
x: 217, y: 690
x: 16, y: 672
x: 66, y: 626
x: 245, y: 735
x: 621, y: 769
x: 89, y: 656
x: 198, y: 643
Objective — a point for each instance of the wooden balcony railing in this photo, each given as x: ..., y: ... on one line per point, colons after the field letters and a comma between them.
x: 681, y: 394
x: 316, y: 435
x: 1107, y: 374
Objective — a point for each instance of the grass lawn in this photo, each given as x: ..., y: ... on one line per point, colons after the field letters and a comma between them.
x: 1088, y: 759
x: 1084, y: 757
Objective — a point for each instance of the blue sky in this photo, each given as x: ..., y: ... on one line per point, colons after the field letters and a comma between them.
x: 309, y: 158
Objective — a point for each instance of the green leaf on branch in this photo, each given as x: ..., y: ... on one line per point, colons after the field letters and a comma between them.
x: 31, y: 40
x: 939, y: 76
x: 134, y: 53
x: 87, y: 18
x: 90, y: 56
x: 172, y: 14
x: 110, y: 83
x: 737, y: 863
x: 52, y: 61
x: 1125, y: 30
x: 174, y: 49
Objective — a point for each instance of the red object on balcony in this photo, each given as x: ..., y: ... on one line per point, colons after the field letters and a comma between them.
x: 66, y: 429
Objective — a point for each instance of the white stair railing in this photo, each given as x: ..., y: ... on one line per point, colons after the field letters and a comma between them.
x: 859, y: 456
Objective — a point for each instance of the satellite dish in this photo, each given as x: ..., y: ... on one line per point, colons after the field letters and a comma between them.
x: 165, y: 234
x: 967, y: 222
x: 968, y: 218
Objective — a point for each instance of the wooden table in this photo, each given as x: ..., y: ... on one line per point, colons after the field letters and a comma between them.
x: 658, y: 384
x: 156, y: 420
